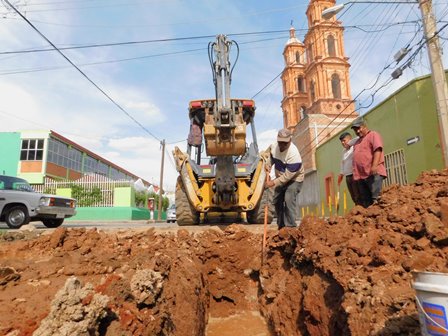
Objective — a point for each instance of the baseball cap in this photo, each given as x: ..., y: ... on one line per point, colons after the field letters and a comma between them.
x: 343, y: 135
x: 358, y: 122
x: 284, y: 135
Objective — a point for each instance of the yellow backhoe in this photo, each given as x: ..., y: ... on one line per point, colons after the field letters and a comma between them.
x: 227, y: 181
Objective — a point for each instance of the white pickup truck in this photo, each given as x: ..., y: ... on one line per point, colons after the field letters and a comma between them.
x: 20, y: 204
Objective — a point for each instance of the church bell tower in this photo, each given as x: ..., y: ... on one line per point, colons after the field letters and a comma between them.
x: 317, y: 102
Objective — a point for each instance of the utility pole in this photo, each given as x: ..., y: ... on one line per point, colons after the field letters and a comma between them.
x: 159, y: 212
x: 438, y: 73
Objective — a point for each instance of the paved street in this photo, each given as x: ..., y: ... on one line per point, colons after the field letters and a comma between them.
x: 138, y: 225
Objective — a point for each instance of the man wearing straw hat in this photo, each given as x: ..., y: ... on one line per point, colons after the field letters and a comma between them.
x: 289, y: 175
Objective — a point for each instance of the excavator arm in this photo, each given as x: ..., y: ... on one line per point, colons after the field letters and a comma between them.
x: 229, y: 177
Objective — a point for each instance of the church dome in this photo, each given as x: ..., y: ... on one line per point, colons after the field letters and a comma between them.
x: 292, y: 37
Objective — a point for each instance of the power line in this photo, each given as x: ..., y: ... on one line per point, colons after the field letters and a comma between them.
x: 41, y: 69
x: 310, y: 144
x: 73, y: 8
x: 421, y: 44
x: 264, y: 87
x: 389, y: 25
x: 125, y: 43
x: 176, y: 39
x: 15, y: 72
x: 102, y: 44
x: 83, y: 74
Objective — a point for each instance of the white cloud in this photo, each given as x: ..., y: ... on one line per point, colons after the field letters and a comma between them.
x: 19, y: 108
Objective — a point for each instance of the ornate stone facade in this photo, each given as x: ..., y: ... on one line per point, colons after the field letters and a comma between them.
x: 317, y: 102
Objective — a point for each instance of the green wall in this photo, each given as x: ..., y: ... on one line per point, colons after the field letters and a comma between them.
x: 408, y: 113
x: 124, y: 197
x: 113, y: 213
x: 9, y: 153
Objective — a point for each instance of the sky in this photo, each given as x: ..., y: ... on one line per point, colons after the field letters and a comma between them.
x: 142, y: 61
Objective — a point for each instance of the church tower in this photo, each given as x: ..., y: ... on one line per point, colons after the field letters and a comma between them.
x: 328, y: 68
x: 295, y: 98
x: 317, y: 102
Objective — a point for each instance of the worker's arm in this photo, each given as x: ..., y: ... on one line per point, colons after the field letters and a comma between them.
x: 291, y: 172
x: 376, y: 161
x: 341, y: 174
x: 268, y: 167
x: 340, y: 178
x: 353, y: 141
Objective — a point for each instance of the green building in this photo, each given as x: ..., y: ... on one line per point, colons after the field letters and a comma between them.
x: 52, y: 163
x: 408, y: 124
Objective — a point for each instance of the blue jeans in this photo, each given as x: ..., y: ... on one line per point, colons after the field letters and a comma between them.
x: 285, y: 202
x: 369, y: 189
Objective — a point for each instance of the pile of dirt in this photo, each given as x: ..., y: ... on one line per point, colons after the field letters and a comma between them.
x: 353, y: 274
x: 346, y: 275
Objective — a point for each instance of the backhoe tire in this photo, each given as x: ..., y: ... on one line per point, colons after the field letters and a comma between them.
x: 17, y: 216
x: 256, y: 216
x: 52, y: 222
x: 185, y: 213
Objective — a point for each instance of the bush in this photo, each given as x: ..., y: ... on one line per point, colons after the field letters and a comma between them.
x: 85, y: 197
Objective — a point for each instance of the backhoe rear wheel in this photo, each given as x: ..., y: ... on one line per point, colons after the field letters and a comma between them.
x: 256, y: 216
x: 185, y: 213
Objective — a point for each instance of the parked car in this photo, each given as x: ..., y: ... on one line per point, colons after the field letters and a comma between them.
x: 20, y: 204
x: 171, y: 214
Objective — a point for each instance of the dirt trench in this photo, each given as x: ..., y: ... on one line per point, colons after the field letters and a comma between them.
x: 342, y: 276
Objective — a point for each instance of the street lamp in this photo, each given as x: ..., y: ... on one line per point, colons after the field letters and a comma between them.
x: 438, y: 76
x: 330, y: 12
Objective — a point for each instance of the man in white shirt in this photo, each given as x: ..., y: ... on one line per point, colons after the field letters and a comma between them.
x: 289, y: 175
x: 347, y: 167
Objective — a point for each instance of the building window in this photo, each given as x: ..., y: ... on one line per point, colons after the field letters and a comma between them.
x: 302, y: 112
x: 336, y: 86
x: 396, y: 168
x: 64, y: 155
x: 301, y: 84
x: 74, y: 159
x: 331, y: 46
x: 90, y: 165
x: 32, y: 150
x: 115, y: 174
x: 297, y: 57
x: 312, y: 91
x: 102, y: 169
x: 310, y: 56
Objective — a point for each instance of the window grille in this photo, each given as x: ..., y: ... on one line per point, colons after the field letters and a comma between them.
x: 396, y: 168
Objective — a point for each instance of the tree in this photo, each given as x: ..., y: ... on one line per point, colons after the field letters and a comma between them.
x: 141, y: 198
x: 165, y: 201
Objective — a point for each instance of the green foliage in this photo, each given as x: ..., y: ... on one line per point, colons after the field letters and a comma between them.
x: 51, y: 191
x: 141, y: 199
x: 84, y: 197
x: 165, y: 201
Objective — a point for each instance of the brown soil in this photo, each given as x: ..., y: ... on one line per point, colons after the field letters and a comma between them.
x: 344, y: 276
